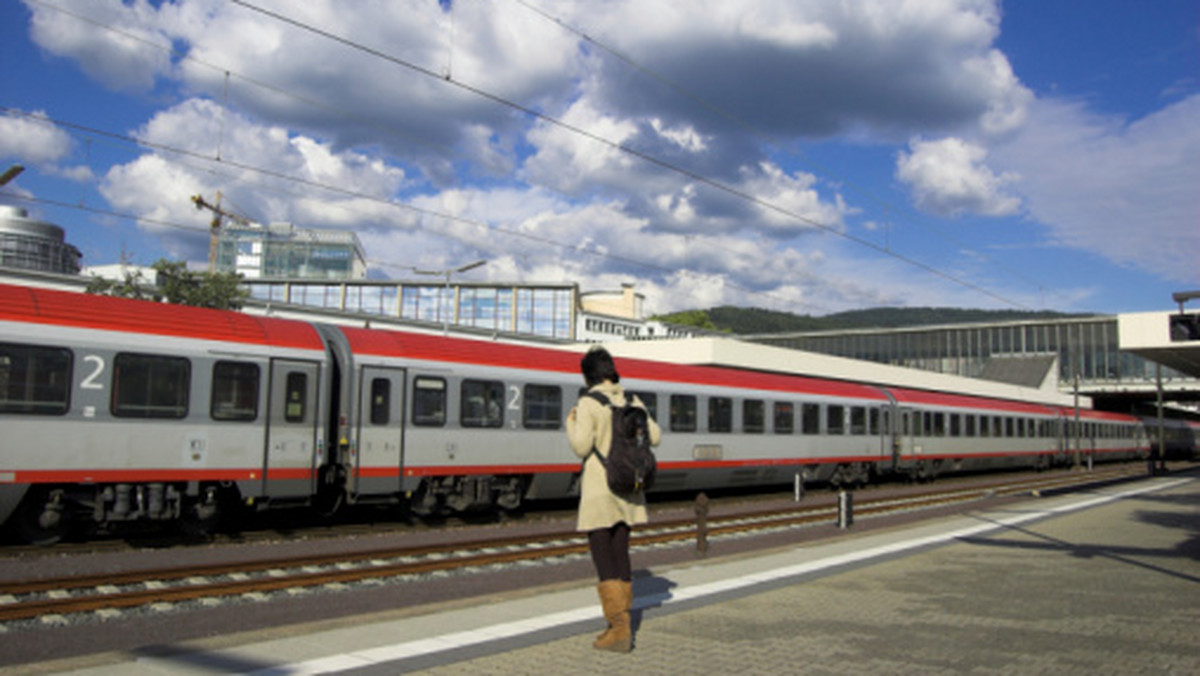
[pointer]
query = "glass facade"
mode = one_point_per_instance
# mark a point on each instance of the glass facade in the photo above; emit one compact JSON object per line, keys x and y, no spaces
{"x":545,"y":311}
{"x":281,"y":250}
{"x":1085,"y":346}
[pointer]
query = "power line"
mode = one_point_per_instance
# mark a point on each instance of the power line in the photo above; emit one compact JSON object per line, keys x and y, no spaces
{"x":764,"y":138}
{"x":446,"y":77}
{"x":160,"y":147}
{"x":646,"y":157}
{"x":227,"y":73}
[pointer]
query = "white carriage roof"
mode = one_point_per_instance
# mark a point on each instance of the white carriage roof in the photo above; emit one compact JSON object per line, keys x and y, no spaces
{"x":728,"y":352}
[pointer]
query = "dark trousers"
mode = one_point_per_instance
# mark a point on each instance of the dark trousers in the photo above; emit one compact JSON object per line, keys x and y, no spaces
{"x":610,"y":552}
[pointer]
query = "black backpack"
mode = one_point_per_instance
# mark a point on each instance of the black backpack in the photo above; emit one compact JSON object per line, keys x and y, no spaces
{"x":630,"y":464}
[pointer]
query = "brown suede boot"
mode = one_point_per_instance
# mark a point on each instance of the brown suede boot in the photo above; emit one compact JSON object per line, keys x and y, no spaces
{"x":619,"y":637}
{"x":626,"y":601}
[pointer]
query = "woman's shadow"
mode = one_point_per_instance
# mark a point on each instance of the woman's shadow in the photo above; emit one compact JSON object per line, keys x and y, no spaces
{"x":649,"y":591}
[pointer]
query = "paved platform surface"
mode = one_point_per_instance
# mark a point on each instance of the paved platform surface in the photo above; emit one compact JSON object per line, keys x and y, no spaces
{"x":1106,"y":582}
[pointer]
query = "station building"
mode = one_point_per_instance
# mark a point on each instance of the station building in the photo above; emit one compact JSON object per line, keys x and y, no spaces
{"x":1076,"y":353}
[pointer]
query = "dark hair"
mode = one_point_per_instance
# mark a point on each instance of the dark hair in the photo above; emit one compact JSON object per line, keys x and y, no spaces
{"x":597,"y":366}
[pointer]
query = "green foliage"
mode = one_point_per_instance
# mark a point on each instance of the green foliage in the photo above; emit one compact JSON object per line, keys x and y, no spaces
{"x":756,"y":320}
{"x":696,"y":318}
{"x":177,"y":284}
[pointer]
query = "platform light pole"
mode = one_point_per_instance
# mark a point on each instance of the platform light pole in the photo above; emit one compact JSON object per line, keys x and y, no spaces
{"x":447,"y":273}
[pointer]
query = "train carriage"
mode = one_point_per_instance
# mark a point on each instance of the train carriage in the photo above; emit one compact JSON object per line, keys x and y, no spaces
{"x":115,"y":410}
{"x":124,"y":410}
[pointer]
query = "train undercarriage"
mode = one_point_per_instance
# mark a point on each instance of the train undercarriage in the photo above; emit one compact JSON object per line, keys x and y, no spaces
{"x":446,"y":495}
{"x":50,"y":513}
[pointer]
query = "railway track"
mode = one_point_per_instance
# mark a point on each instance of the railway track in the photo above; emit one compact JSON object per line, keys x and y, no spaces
{"x":52,"y":598}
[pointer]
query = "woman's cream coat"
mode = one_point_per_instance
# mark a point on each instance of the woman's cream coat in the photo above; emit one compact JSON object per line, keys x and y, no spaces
{"x":590,"y":423}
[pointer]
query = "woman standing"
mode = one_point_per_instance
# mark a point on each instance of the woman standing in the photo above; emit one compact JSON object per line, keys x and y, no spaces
{"x":605,"y":516}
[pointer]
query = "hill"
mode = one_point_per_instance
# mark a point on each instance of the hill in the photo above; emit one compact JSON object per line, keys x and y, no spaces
{"x":743,"y":321}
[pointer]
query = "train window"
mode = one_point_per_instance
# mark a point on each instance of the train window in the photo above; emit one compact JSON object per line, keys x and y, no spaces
{"x":873,"y":415}
{"x":969,"y":426}
{"x":34,"y":379}
{"x":381,"y":401}
{"x":648,"y":399}
{"x":810,"y":418}
{"x":835,"y":420}
{"x":1009,"y":425}
{"x":150,"y":386}
{"x":785,"y":418}
{"x":754,"y":416}
{"x":919,"y":421}
{"x":683,"y":413}
{"x":939,"y":424}
{"x":482,"y":403}
{"x":234,"y":391}
{"x":429,"y":402}
{"x":295,"y":405}
{"x":955,"y":425}
{"x":928,"y":429}
{"x":543,"y":407}
{"x":858,"y":420}
{"x":720,"y":414}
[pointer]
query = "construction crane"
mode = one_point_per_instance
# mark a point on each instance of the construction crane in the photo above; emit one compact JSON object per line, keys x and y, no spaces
{"x":214,"y":228}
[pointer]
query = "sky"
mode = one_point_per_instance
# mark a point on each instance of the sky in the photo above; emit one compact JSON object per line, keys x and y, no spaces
{"x":805,"y":156}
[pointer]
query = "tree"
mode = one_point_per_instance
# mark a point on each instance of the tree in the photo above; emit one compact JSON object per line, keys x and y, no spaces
{"x":176,"y":284}
{"x":696,"y":318}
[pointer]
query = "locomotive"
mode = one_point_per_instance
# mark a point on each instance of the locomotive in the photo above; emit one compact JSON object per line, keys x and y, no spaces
{"x":115,"y":410}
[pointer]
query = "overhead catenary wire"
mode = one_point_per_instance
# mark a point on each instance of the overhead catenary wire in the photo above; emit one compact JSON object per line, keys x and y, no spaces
{"x":447,"y":77}
{"x":227,"y":73}
{"x":756,"y":133}
{"x":646,"y":157}
{"x":324,"y":186}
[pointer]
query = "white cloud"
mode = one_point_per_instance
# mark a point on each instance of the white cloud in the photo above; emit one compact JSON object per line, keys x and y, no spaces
{"x":1123,"y":190}
{"x":29,"y":139}
{"x":949,"y":178}
{"x":726,"y":93}
{"x":121,"y":59}
{"x":158,"y":187}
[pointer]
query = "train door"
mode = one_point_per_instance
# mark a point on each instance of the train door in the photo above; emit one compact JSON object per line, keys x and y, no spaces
{"x":380,"y":426}
{"x":292,"y":428}
{"x":884,"y":429}
{"x":905,"y":439}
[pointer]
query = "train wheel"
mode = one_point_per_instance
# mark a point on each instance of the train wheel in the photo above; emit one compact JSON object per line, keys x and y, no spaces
{"x":42,"y":518}
{"x":200,"y":519}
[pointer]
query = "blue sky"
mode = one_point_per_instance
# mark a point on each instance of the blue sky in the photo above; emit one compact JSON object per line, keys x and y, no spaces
{"x":799,"y":155}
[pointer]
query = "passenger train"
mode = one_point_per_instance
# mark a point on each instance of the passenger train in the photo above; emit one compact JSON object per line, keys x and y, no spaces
{"x":115,"y":410}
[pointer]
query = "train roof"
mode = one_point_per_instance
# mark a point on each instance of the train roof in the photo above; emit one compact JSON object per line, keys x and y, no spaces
{"x":414,"y":345}
{"x":106,"y":313}
{"x":738,"y":354}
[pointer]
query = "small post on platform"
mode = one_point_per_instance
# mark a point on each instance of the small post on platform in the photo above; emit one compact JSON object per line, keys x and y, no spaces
{"x":845,"y":509}
{"x":799,"y":487}
{"x":701,"y":524}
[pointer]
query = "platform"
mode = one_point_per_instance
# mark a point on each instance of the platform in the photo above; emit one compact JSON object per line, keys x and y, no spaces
{"x":1102,"y":582}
